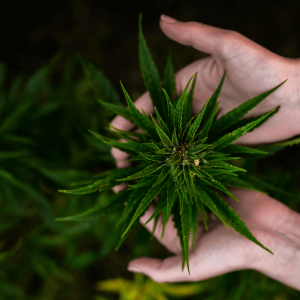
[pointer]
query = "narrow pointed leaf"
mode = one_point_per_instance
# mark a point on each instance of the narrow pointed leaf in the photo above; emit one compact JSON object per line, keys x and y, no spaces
{"x":211,"y":181}
{"x":177,"y":225}
{"x":99,"y":211}
{"x":233,"y":219}
{"x":119,"y":110}
{"x":131,"y":146}
{"x":213,"y":101}
{"x":232,"y":149}
{"x":132,"y":202}
{"x":150,"y":74}
{"x":139,"y":118}
{"x":206,"y":199}
{"x":196,"y":124}
{"x":146,"y":181}
{"x":179,"y":109}
{"x":186,"y":225}
{"x":161,"y":204}
{"x":169,"y":78}
{"x":146,"y":201}
{"x":205,"y":130}
{"x":187,"y":109}
{"x":158,"y":158}
{"x":143,"y":173}
{"x":231,"y":137}
{"x":171,"y":111}
{"x":237,"y":113}
{"x":163,"y":136}
{"x":162,"y":124}
{"x":174,"y":138}
{"x":200,"y":205}
{"x":194,"y":222}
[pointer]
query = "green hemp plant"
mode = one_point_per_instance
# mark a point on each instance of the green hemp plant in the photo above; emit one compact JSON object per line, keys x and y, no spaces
{"x":180,"y":158}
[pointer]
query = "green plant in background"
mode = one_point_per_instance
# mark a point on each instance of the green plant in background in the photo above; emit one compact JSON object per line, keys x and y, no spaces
{"x":143,"y":288}
{"x":182,"y":158}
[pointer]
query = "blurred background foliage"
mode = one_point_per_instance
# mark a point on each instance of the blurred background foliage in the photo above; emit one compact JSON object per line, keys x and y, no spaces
{"x":46,"y":106}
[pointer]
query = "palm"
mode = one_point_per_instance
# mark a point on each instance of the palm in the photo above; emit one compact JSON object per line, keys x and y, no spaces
{"x":250,"y":71}
{"x":221,"y":250}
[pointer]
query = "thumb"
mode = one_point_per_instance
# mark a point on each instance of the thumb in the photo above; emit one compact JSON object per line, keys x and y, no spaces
{"x":166,"y":270}
{"x":205,"y":38}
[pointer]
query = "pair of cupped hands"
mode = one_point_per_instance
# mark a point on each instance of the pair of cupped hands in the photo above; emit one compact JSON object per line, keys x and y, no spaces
{"x":250,"y":70}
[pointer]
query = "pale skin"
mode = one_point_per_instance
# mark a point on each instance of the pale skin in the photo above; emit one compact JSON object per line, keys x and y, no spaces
{"x":250,"y":70}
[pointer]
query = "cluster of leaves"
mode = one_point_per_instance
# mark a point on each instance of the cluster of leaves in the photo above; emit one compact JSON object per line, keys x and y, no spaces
{"x":181,"y":158}
{"x":33,"y":165}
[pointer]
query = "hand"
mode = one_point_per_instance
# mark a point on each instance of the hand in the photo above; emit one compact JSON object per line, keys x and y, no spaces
{"x":220,"y":250}
{"x":250,"y":70}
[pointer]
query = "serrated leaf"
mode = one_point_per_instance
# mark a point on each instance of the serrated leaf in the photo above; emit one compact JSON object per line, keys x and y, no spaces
{"x":198,"y":148}
{"x":175,"y":159}
{"x":143,"y":173}
{"x":233,"y":149}
{"x":169,"y":78}
{"x":200,"y":205}
{"x":189,"y":182}
{"x":119,"y":110}
{"x":193,"y":129}
{"x":161,"y":204}
{"x":179,"y":109}
{"x":246,"y":121}
{"x":139,"y":118}
{"x":149,"y":180}
{"x":186,"y":225}
{"x":206,"y":199}
{"x":142,"y":137}
{"x":213,"y":101}
{"x":270,"y":149}
{"x":170,"y":199}
{"x":211,"y":181}
{"x":146,"y":201}
{"x":108,"y":182}
{"x":174,"y":138}
{"x":177,"y":225}
{"x":163,"y":174}
{"x":100,"y":210}
{"x":162,"y":124}
{"x":237,"y":113}
{"x":205,"y":130}
{"x":101,"y":85}
{"x":158,"y":158}
{"x":187,"y":109}
{"x":131,"y":146}
{"x":132,"y":201}
{"x":171,"y":111}
{"x":231,"y":137}
{"x":233,"y":219}
{"x":150,"y":74}
{"x":194,"y":222}
{"x":162,"y":135}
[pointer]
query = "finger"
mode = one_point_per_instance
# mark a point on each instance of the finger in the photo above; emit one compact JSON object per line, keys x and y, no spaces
{"x":144,"y":102}
{"x":167,"y":270}
{"x":170,"y":240}
{"x":218,"y":42}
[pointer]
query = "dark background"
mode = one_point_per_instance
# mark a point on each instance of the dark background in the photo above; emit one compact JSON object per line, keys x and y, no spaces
{"x":105,"y":32}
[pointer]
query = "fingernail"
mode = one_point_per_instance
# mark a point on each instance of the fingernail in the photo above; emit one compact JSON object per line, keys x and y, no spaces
{"x":168,"y":19}
{"x":134,"y":269}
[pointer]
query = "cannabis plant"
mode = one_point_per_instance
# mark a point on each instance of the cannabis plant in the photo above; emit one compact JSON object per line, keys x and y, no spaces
{"x":182,"y":159}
